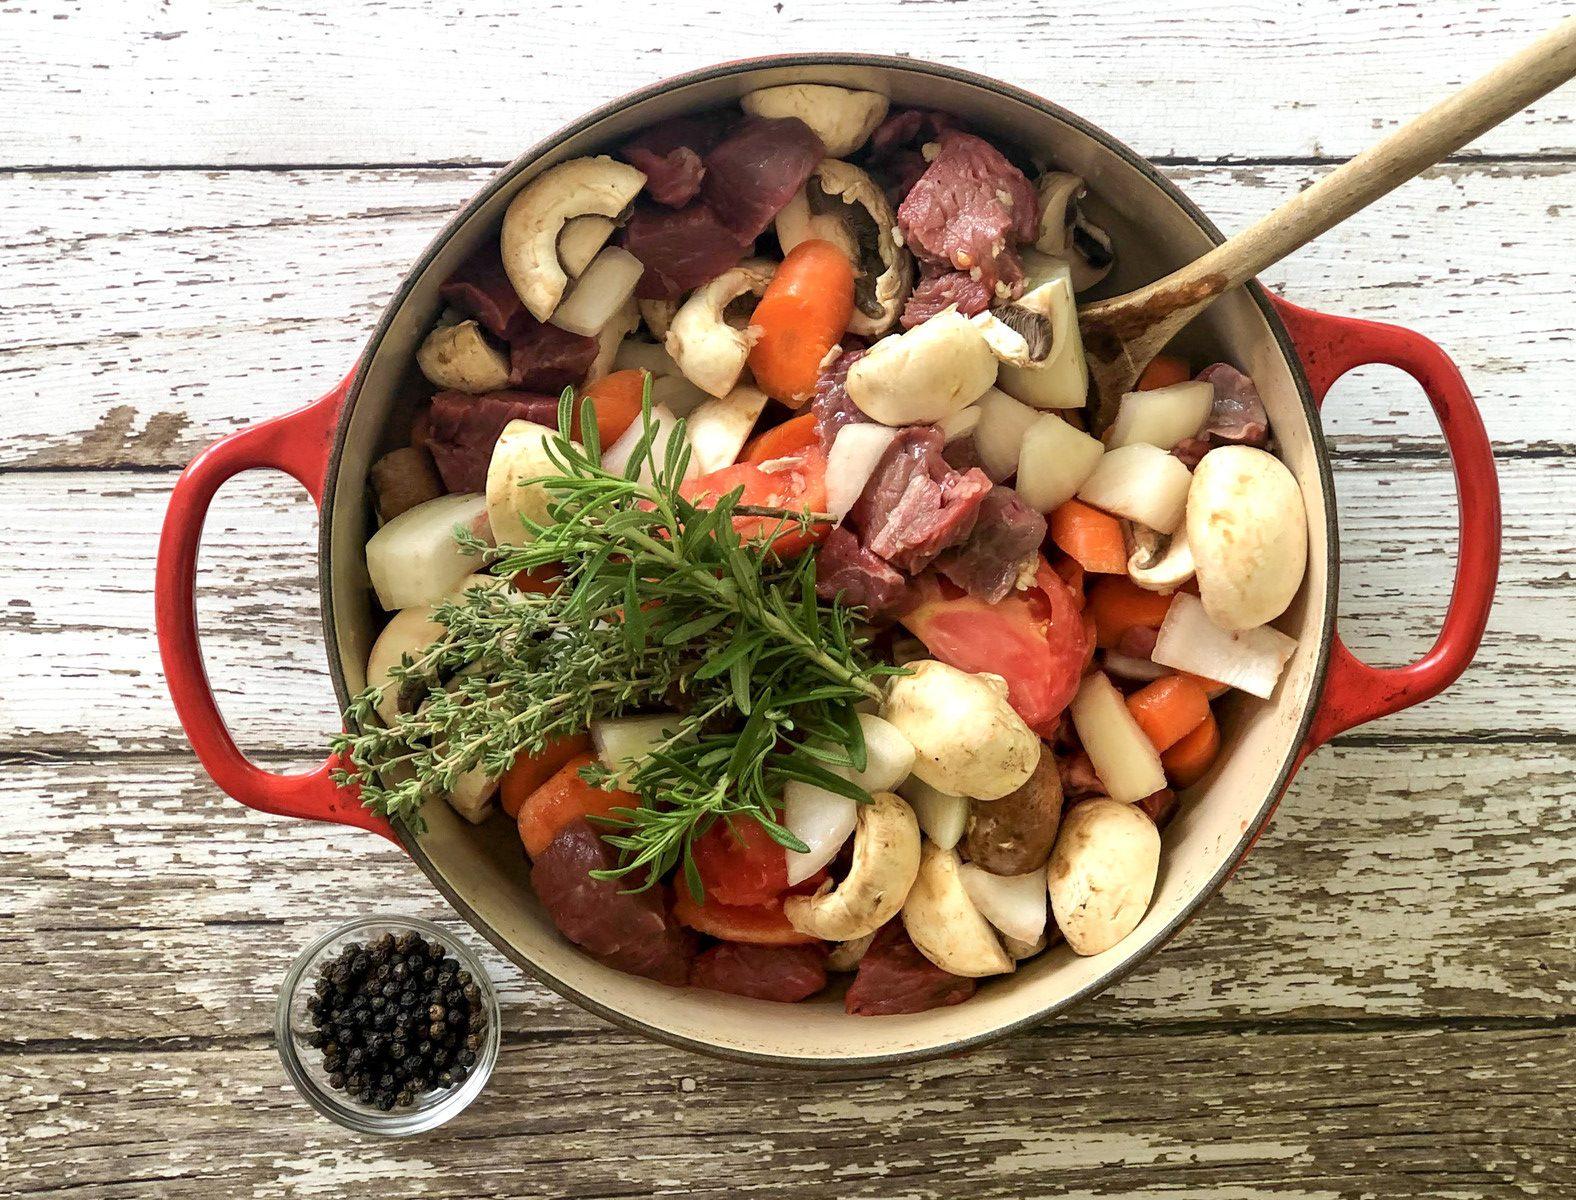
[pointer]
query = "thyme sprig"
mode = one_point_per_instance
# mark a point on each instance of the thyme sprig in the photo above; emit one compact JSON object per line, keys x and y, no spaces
{"x":661,"y":606}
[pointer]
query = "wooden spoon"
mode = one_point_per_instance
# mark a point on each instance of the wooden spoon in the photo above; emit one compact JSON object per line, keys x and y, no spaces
{"x":1123,"y":334}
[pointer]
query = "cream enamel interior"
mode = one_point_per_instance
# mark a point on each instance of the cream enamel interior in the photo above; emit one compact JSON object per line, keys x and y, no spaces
{"x":482,"y":870}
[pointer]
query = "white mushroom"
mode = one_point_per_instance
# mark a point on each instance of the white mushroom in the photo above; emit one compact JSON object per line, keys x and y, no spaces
{"x":1159,"y":563}
{"x":472,"y":795}
{"x":1067,"y":234}
{"x":886,"y":859}
{"x":1037,"y":339}
{"x":599,"y":186}
{"x":1102,"y":873}
{"x":409,"y":632}
{"x":1022,"y":950}
{"x":845,"y":956}
{"x":459,"y":357}
{"x":581,"y":241}
{"x":1249,"y":536}
{"x":968,"y":740}
{"x":925,"y":375}
{"x":944,"y":924}
{"x":709,"y":351}
{"x":519,"y":456}
{"x":843,"y":119}
{"x":610,"y":340}
{"x":843,"y":205}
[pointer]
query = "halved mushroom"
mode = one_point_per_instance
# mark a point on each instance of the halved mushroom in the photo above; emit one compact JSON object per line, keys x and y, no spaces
{"x":460,"y":358}
{"x":944,"y":924}
{"x":842,"y":118}
{"x":1158,"y":562}
{"x":1067,"y":234}
{"x":845,"y":956}
{"x":597,"y":186}
{"x":709,"y":351}
{"x":886,"y":860}
{"x":581,"y":241}
{"x":843,"y":205}
{"x":409,"y":632}
{"x":1036,"y":338}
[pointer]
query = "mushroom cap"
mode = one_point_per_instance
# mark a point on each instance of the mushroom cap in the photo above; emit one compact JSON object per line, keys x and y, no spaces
{"x":519,"y":454}
{"x":1158,"y":564}
{"x":1066,"y":233}
{"x":968,"y":740}
{"x":925,"y":375}
{"x":709,"y":351}
{"x":1102,"y":873}
{"x":886,"y":859}
{"x":1248,"y":533}
{"x":944,"y":924}
{"x":598,"y":186}
{"x":841,"y":117}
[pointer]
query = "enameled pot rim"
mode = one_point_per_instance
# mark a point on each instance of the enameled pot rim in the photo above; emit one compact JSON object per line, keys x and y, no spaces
{"x":1294,"y":747}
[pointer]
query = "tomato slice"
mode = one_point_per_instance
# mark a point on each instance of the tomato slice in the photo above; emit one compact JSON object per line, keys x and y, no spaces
{"x":796,"y":483}
{"x":739,"y":864}
{"x":756,"y":924}
{"x":1035,"y":639}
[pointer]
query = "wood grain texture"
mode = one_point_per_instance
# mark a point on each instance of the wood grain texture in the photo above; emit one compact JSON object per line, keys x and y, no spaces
{"x":154,"y":312}
{"x":1375,"y":897}
{"x":154,"y":83}
{"x":87,"y":675}
{"x":1448,"y":1114}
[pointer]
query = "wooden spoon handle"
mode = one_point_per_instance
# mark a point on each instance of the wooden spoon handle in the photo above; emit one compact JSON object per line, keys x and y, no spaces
{"x":1506,"y":90}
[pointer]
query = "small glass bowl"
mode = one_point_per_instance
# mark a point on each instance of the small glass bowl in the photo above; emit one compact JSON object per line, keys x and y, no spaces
{"x":304,"y":1064}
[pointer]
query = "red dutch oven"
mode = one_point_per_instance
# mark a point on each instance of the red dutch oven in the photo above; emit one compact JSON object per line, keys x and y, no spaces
{"x":1293,"y":354}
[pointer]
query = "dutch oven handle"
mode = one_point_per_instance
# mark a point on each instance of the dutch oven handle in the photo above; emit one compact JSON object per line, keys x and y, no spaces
{"x":298,"y":444}
{"x":1354,"y":692}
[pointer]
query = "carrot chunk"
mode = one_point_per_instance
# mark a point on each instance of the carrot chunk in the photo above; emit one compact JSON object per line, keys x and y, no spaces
{"x":1090,"y":537}
{"x":801,"y":316}
{"x":1188,"y":760}
{"x":562,"y":799}
{"x":1119,"y":604}
{"x":528,"y":774}
{"x":1163,"y":371}
{"x":1169,"y":709}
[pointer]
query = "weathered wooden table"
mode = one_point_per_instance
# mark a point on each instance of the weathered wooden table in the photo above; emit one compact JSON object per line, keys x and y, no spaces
{"x":204,"y":207}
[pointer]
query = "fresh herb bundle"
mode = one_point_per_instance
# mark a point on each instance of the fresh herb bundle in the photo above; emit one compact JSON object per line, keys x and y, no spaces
{"x":661,"y":606}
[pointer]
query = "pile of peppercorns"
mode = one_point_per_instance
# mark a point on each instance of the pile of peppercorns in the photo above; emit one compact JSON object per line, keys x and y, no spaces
{"x":394,"y":1018}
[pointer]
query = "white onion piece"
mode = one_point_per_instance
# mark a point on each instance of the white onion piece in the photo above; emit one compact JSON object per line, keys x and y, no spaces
{"x":822,"y":820}
{"x":623,"y":743}
{"x":581,"y":239}
{"x":856,"y":452}
{"x":1251,"y":659}
{"x":1162,"y":416}
{"x":677,"y":394}
{"x":1140,"y":670}
{"x":1142,"y":483}
{"x":645,"y":356}
{"x":602,"y":289}
{"x":1014,"y":904}
{"x":999,"y":434}
{"x":719,"y":427}
{"x":942,"y":816}
{"x":1054,"y":461}
{"x":889,"y":756}
{"x":413,"y":559}
{"x":663,"y":423}
{"x":1122,"y":755}
{"x":959,"y":424}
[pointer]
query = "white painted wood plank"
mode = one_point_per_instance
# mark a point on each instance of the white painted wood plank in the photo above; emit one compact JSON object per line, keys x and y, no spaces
{"x":138,"y":82}
{"x":1446,"y":1115}
{"x":1391,"y":886}
{"x":76,"y":571}
{"x":148,"y":314}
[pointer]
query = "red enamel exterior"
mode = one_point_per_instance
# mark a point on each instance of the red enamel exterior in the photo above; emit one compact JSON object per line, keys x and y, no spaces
{"x":298,"y":444}
{"x":1355,"y":693}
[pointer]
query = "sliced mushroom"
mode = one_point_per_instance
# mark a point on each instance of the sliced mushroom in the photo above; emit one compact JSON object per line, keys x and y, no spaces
{"x":886,"y":860}
{"x":842,"y":118}
{"x":1158,"y":562}
{"x":408,"y":633}
{"x":709,"y":351}
{"x":1036,"y":338}
{"x":598,"y":186}
{"x":1022,"y":950}
{"x":1067,"y":234}
{"x":581,"y":241}
{"x":610,"y":338}
{"x":845,"y":956}
{"x":925,"y":375}
{"x":658,"y":316}
{"x":944,"y":924}
{"x":460,"y":358}
{"x":843,"y":205}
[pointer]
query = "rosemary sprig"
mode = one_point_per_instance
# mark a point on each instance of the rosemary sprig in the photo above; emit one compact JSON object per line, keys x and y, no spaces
{"x":661,"y":606}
